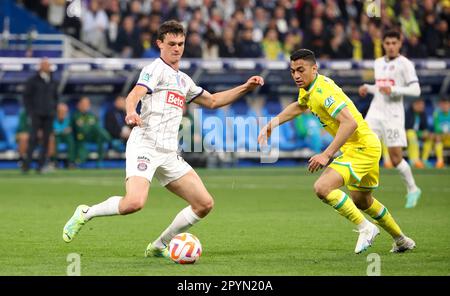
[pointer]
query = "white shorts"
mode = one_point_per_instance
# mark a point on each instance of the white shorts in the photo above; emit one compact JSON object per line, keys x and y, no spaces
{"x":147,"y":161}
{"x":391,"y":131}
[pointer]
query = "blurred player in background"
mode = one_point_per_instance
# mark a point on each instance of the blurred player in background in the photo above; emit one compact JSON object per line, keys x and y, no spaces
{"x":64,"y":134}
{"x":114,"y":123}
{"x":87,"y":128}
{"x":357,"y":167}
{"x":23,"y":136}
{"x":418,"y":130}
{"x":40,"y":98}
{"x":442,"y":130}
{"x":151,"y":149}
{"x":395,"y":77}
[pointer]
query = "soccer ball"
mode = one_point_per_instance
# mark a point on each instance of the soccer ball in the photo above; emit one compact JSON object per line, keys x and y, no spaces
{"x":185,"y":248}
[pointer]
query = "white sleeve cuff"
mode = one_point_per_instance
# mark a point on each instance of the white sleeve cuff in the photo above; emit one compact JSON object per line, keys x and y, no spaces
{"x":412,"y":90}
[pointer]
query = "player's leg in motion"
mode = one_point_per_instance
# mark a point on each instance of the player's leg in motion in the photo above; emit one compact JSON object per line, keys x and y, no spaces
{"x":404,"y":169}
{"x":413,"y":148}
{"x":134,"y":200}
{"x":189,"y":187}
{"x":427,"y":147}
{"x":326,"y":188}
{"x":439,"y":151}
{"x":387,"y":163}
{"x":365,"y":201}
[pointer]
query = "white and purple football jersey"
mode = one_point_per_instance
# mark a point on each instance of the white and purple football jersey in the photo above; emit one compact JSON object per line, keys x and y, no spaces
{"x":162,"y":107}
{"x":396,"y":72}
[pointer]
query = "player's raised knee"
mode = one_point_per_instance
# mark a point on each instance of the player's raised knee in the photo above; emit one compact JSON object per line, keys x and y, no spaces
{"x":320,"y":189}
{"x":207,"y":206}
{"x":203,"y":208}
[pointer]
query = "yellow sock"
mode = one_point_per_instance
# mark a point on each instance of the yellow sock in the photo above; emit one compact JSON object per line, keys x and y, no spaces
{"x":439,"y":150}
{"x":413,"y":145}
{"x":344,"y":206}
{"x":385,"y":153}
{"x":378,"y":212}
{"x":427,"y":149}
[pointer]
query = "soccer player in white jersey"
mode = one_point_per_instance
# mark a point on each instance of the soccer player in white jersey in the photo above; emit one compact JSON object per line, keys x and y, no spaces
{"x":151,"y":149}
{"x":395,"y":77}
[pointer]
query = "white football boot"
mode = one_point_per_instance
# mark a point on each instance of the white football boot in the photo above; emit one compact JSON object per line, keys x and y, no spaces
{"x":366,"y":237}
{"x":402,"y":245}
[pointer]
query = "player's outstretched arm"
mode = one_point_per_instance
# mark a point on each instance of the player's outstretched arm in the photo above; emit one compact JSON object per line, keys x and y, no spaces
{"x":412,"y":90}
{"x":223,"y":98}
{"x":347,"y":126}
{"x":132,"y":100}
{"x":289,"y":113}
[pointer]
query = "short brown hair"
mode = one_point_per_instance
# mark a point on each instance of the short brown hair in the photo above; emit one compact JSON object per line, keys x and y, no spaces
{"x":170,"y":27}
{"x":392,"y":34}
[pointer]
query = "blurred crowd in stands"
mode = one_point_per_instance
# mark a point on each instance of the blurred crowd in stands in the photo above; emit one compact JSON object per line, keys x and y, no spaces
{"x":70,"y":130}
{"x":271,"y":29}
{"x":74,"y":129}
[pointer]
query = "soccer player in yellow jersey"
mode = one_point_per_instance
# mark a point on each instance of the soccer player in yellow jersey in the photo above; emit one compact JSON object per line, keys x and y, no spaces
{"x":358,"y":165}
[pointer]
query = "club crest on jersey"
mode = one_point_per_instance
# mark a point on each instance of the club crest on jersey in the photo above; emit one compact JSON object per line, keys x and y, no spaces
{"x":142,"y":166}
{"x":328,"y":102}
{"x":175,"y":99}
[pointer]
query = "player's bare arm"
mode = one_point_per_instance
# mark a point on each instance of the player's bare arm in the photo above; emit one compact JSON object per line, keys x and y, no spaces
{"x":289,"y":113}
{"x":347,"y":126}
{"x":132,"y":100}
{"x":223,"y":98}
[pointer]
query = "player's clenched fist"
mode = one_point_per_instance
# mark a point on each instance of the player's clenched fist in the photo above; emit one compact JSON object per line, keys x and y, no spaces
{"x":363,"y":90}
{"x":253,"y":82}
{"x":133,"y":119}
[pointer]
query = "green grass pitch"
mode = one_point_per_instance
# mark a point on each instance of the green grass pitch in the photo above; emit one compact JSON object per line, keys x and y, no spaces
{"x":266,"y":221}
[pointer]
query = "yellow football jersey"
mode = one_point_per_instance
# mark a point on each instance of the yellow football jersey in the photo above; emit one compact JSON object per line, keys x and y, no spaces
{"x":325,"y":100}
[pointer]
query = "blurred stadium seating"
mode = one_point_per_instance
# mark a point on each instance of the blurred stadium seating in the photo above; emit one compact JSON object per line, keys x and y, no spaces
{"x":103,"y":79}
{"x":90,"y":43}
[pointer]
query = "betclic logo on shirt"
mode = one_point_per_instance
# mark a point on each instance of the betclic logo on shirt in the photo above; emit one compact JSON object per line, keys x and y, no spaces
{"x":384,"y":82}
{"x":175,"y":99}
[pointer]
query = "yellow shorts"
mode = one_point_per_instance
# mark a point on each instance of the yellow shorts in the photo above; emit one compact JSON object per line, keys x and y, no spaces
{"x":446,"y":140}
{"x":359,"y":167}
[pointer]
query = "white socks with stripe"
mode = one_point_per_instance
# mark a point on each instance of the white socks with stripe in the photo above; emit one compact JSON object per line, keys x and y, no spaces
{"x":109,"y":207}
{"x":407,"y":176}
{"x":182,"y":222}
